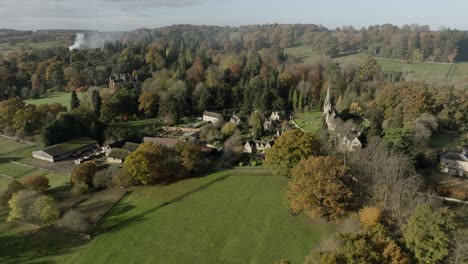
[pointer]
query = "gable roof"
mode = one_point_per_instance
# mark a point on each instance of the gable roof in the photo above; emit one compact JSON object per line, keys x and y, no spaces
{"x":69,"y":146}
{"x":130,"y":146}
{"x":211,"y":114}
{"x":117,"y":153}
{"x":165,"y":142}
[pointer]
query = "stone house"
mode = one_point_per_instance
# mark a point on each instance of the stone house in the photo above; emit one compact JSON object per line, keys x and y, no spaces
{"x":211,"y":117}
{"x":455,"y":163}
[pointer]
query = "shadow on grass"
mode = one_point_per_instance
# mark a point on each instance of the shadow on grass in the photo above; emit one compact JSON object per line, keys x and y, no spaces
{"x":30,"y":247}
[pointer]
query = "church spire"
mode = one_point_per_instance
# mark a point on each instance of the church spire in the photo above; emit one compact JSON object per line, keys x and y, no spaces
{"x":327,"y":107}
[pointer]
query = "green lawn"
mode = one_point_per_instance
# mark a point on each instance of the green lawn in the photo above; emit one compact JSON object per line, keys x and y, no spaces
{"x":311,"y":121}
{"x":9,"y":145}
{"x":138,"y":126}
{"x":7,"y":48}
{"x":235,"y":220}
{"x":59,"y":97}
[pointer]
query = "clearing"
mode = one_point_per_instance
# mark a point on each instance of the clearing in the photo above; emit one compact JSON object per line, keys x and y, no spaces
{"x":62,"y":98}
{"x":309,"y":121}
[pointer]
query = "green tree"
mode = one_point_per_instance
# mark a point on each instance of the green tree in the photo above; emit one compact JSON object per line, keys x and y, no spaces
{"x":428,"y":233}
{"x":189,"y":156}
{"x":320,"y":183}
{"x":75,"y":102}
{"x":97,"y":102}
{"x":289,"y":149}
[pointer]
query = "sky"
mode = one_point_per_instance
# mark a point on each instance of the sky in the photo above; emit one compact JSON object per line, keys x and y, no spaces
{"x":116,"y":15}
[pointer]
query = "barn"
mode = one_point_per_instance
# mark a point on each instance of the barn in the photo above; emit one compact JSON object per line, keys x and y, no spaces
{"x":65,"y":150}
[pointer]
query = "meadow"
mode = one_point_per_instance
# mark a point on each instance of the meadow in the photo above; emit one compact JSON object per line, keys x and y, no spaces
{"x":7,"y":48}
{"x":454,"y":74}
{"x":62,"y":98}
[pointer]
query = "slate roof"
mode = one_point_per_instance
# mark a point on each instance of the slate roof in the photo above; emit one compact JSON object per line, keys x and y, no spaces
{"x":117,"y":153}
{"x":69,"y":146}
{"x":130,"y":146}
{"x":211,"y":114}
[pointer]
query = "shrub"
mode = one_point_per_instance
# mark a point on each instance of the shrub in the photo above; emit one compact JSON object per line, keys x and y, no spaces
{"x":80,"y":188}
{"x":241,"y":164}
{"x":253,"y":163}
{"x":37,"y":183}
{"x":13,"y":187}
{"x":74,"y":221}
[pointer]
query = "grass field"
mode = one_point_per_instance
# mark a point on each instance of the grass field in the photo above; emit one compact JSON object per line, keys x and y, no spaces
{"x":7,"y":48}
{"x":454,"y":74}
{"x":140,"y":125}
{"x":230,"y":221}
{"x":310,"y":122}
{"x":59,"y":97}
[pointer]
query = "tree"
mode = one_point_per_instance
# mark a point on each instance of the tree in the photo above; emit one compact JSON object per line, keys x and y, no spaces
{"x":37,"y":183}
{"x":74,"y":221}
{"x":97,"y":102}
{"x":189,"y":156}
{"x":75,"y":102}
{"x":228,"y":129}
{"x":31,"y":207}
{"x":289,"y":149}
{"x":123,"y":178}
{"x":320,"y":183}
{"x":83,"y":173}
{"x":150,"y":163}
{"x":149,"y":103}
{"x":428,"y":233}
{"x":13,"y":187}
{"x":370,"y":216}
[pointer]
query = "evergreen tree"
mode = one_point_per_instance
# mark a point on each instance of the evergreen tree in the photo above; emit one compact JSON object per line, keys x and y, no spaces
{"x":97,"y":102}
{"x":75,"y":102}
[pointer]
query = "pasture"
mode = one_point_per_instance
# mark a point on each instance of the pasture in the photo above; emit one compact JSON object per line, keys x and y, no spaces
{"x":453,"y":74}
{"x":7,"y":48}
{"x":140,"y":126}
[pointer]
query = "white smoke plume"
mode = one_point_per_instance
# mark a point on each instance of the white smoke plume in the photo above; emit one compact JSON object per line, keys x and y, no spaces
{"x":79,"y":40}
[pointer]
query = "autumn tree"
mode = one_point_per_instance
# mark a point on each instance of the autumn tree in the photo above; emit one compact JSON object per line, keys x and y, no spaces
{"x":189,"y":156}
{"x":37,"y":183}
{"x":428,"y":233}
{"x":289,"y":149}
{"x":12,"y":188}
{"x":83,"y":173}
{"x":149,"y":103}
{"x":322,"y":184}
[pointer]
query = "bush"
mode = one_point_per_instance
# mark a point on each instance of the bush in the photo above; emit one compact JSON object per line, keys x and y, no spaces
{"x":80,"y":188}
{"x":253,"y":163}
{"x":241,"y":164}
{"x":103,"y":178}
{"x":73,"y":221}
{"x":13,"y":187}
{"x":37,"y":183}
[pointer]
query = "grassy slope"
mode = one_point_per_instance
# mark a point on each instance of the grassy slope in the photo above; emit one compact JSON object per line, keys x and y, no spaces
{"x":59,"y":97}
{"x":456,"y":74}
{"x":311,"y":121}
{"x":235,"y":220}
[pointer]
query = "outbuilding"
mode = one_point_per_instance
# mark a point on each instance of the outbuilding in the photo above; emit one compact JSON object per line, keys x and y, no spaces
{"x":66,"y":150}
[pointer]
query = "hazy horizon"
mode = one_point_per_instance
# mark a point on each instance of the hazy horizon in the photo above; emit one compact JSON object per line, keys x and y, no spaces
{"x":123,"y":15}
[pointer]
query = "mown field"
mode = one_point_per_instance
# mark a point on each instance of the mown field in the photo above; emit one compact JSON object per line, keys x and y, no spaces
{"x":230,"y":221}
{"x":62,"y":98}
{"x":16,"y":163}
{"x":236,"y":216}
{"x":138,"y":126}
{"x":454,"y":74}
